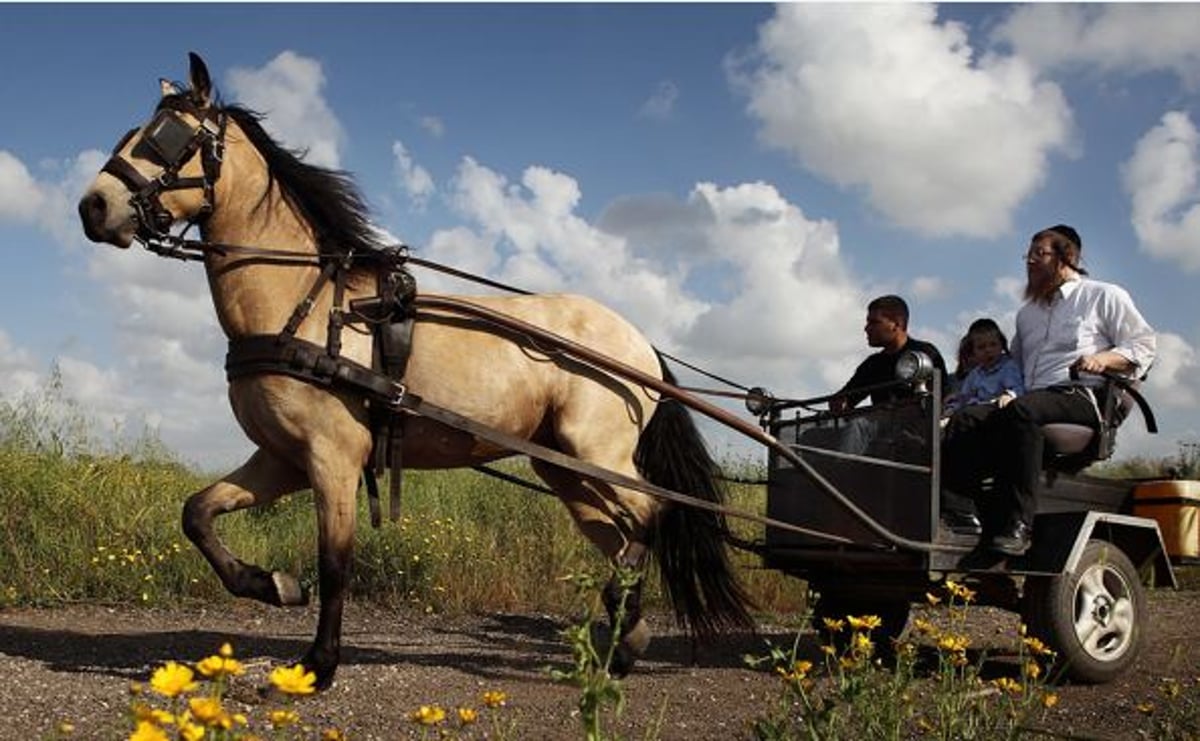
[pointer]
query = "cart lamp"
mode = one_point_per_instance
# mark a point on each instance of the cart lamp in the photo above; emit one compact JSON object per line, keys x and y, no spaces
{"x":915,"y":368}
{"x":759,"y":401}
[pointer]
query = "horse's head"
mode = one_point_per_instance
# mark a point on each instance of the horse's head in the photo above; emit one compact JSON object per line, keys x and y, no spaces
{"x":162,"y":172}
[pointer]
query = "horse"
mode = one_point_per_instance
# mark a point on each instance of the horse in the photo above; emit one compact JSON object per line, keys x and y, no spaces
{"x":271,"y":226}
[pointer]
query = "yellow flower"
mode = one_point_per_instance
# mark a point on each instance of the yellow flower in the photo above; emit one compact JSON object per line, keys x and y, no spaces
{"x":1036,"y":647}
{"x":953,"y":643}
{"x":428,"y":715}
{"x":172,"y":680}
{"x":226,"y":650}
{"x":142,"y":711}
{"x":1032,"y":670}
{"x":332,"y":734}
{"x":494,"y":698}
{"x":834,"y":626}
{"x":1008,"y":684}
{"x":467,"y":716}
{"x":147,"y":731}
{"x":1049,"y":700}
{"x":1146,"y":708}
{"x":281,"y":718}
{"x":191,"y":732}
{"x":866,"y":622}
{"x":921,"y":626}
{"x":294,"y":680}
{"x":215,"y":667}
{"x":208,"y":711}
{"x":66,"y":728}
{"x":861,"y":644}
{"x":828,"y":650}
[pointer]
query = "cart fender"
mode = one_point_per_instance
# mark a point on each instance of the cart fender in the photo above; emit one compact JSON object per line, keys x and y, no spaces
{"x":1059,"y":540}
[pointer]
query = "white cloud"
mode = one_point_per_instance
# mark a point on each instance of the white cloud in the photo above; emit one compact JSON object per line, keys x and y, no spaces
{"x":927,"y":287}
{"x":434,"y":125}
{"x":1161,"y":178}
{"x":1121,"y":38}
{"x":289,"y":90}
{"x":20,"y":195}
{"x":18,"y":368}
{"x":887,"y":99}
{"x":416,"y":180}
{"x":661,"y":103}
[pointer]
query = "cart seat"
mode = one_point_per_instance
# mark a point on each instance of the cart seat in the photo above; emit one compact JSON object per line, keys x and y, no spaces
{"x":1071,"y":448}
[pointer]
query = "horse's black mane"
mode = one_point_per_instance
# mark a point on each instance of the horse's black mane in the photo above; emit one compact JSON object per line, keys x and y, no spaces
{"x":327,"y":199}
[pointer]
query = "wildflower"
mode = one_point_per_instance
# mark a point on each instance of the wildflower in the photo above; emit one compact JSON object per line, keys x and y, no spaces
{"x":147,"y":731}
{"x":428,"y":715}
{"x":799,"y":671}
{"x":283,"y":717}
{"x":834,"y":626}
{"x":208,"y":711}
{"x":1008,"y":684}
{"x":862,"y":644}
{"x":217,"y":667}
{"x":66,"y":728}
{"x":1170,"y":688}
{"x":866,"y":622}
{"x":921,"y":626}
{"x":143,"y":712}
{"x":189,"y":731}
{"x":467,"y":716}
{"x":172,"y":680}
{"x":1036,"y":647}
{"x":294,"y":680}
{"x":1146,"y":708}
{"x":933,"y":599}
{"x":494,"y":698}
{"x":332,"y":734}
{"x":954,"y":643}
{"x":1032,"y":670}
{"x":1049,"y":700}
{"x":828,"y":650}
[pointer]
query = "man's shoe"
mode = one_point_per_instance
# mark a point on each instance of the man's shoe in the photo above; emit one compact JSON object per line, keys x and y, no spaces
{"x":961,"y":523}
{"x":1014,"y":540}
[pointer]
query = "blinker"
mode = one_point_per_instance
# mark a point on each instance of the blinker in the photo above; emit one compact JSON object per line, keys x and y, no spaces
{"x":169,"y":137}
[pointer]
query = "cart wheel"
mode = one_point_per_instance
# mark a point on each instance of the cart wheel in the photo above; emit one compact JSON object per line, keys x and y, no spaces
{"x":1091,"y":617}
{"x":892,"y":612}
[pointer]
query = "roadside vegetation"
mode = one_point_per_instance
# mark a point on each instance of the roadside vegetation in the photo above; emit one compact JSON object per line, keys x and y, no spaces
{"x":99,"y":523}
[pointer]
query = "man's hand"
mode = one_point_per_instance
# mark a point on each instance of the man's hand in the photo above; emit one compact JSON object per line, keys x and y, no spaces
{"x":1102,"y":361}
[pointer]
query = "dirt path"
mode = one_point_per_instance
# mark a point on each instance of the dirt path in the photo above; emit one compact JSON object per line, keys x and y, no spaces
{"x":76,"y":664}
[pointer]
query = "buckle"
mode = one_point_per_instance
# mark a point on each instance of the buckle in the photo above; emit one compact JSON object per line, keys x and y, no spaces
{"x":396,"y":400}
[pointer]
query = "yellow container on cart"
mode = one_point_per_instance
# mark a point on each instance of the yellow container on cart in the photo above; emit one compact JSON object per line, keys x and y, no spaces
{"x":1175,"y":505}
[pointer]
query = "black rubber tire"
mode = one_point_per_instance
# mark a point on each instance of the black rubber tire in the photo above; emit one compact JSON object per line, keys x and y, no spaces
{"x":1091,"y":617}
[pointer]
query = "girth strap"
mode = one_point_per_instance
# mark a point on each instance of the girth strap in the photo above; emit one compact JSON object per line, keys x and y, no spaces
{"x":308,"y":362}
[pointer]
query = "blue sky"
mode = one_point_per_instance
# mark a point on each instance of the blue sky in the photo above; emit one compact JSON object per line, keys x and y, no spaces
{"x":737,"y":179}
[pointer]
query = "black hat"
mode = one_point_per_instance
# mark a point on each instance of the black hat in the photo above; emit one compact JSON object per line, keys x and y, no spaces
{"x":1068,"y":233}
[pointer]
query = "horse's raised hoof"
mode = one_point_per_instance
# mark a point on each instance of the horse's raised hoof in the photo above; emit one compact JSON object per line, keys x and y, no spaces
{"x":288,"y":590}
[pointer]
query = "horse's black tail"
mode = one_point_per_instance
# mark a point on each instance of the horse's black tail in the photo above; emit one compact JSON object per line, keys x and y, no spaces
{"x":689,"y":542}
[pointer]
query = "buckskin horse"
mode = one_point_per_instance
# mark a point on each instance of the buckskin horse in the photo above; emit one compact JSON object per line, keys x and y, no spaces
{"x":291,"y":258}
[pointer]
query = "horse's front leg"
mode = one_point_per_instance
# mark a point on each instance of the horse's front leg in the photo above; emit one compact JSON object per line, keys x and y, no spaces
{"x":261,"y":480}
{"x":335,"y":486}
{"x":622,"y":598}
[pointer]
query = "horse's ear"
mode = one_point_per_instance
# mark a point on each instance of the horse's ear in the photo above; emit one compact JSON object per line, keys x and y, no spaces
{"x":201,"y":82}
{"x":168,"y":87}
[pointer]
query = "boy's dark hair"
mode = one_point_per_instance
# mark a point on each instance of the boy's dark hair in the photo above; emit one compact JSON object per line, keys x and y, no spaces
{"x":980,"y":326}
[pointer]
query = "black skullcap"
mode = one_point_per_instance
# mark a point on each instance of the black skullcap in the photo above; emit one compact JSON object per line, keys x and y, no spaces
{"x":1068,"y":233}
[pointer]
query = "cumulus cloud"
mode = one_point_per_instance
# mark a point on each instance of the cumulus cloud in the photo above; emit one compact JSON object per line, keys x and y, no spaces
{"x":289,"y":90}
{"x":414,"y":179}
{"x":661,"y":103}
{"x":886,"y":99}
{"x":1161,"y":180}
{"x":1112,"y":38}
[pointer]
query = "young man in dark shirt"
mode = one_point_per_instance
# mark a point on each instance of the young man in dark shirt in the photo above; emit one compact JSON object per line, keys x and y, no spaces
{"x":887,"y":329}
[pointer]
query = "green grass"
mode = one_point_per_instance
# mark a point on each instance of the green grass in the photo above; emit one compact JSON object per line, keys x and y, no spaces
{"x":86,"y":522}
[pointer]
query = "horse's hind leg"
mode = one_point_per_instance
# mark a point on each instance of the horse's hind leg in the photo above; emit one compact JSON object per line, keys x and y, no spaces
{"x":621,"y":534}
{"x":260,"y":480}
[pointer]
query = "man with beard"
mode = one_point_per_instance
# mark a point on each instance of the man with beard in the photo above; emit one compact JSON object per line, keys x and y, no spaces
{"x":1069,"y":326}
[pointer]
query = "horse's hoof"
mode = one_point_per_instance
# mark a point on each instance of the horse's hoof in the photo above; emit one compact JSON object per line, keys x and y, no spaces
{"x":637,"y":639}
{"x":289,"y":590}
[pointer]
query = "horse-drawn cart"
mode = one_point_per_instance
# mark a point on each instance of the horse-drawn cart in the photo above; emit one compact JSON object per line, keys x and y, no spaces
{"x":334,"y":357}
{"x":1079,"y":588}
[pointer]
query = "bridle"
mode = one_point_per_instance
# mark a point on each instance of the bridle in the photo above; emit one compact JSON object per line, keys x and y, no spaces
{"x":170,"y":141}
